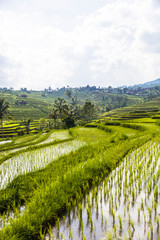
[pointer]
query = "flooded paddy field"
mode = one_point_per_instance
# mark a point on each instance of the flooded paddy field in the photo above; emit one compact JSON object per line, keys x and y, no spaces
{"x":126,"y":205}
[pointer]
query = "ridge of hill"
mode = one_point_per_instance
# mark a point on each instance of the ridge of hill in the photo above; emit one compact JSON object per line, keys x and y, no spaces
{"x":149,"y":84}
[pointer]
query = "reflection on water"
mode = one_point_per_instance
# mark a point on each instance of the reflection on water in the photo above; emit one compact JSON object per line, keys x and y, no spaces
{"x":125,"y":204}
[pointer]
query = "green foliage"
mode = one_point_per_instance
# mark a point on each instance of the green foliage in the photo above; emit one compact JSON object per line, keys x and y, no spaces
{"x":4,"y":106}
{"x":88,"y":111}
{"x":69,"y":122}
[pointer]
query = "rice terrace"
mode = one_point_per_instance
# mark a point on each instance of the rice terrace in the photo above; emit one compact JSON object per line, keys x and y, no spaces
{"x":80,"y":164}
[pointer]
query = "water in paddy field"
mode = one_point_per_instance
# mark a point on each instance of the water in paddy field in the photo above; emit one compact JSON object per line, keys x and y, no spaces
{"x":125,"y":205}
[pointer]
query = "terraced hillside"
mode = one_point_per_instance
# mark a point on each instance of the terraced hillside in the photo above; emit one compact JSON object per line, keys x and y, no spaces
{"x":38,"y":104}
{"x":14,"y":128}
{"x":47,"y":182}
{"x":24,"y":106}
{"x":150,"y":109}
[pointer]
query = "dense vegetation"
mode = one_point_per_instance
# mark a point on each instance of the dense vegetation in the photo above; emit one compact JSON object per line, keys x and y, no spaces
{"x":48,"y":174}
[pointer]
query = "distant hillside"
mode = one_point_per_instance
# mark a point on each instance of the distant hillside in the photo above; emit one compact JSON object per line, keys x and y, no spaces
{"x":149,"y":109}
{"x":37,"y":104}
{"x":148,"y":84}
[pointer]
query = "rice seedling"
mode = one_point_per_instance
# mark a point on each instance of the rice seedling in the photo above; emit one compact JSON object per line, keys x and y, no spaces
{"x":70,"y":233}
{"x":115,"y":230}
{"x":120,"y":222}
{"x":157,"y":221}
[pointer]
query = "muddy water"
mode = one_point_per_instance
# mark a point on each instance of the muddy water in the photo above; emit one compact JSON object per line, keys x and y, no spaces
{"x":123,"y":205}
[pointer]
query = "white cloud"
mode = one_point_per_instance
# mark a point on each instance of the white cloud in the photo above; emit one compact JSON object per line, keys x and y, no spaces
{"x":58,"y":44}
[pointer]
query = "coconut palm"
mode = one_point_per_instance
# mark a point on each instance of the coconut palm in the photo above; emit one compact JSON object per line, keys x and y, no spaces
{"x":4,"y":106}
{"x":27,"y":125}
{"x":68,"y":93}
{"x":61,"y":107}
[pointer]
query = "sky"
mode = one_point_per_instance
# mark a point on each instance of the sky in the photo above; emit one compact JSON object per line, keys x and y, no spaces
{"x":60,"y":43}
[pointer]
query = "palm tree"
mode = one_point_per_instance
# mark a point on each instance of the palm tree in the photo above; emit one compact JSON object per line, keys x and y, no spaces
{"x":60,"y":107}
{"x":27,"y":125}
{"x":4,"y":106}
{"x":68,"y":93}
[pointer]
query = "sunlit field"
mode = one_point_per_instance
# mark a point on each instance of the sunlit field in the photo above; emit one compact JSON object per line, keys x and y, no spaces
{"x":98,"y":182}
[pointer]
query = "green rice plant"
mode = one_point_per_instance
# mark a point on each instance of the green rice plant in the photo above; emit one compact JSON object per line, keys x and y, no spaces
{"x":84,"y":237}
{"x":151,"y":228}
{"x":70,"y":233}
{"x":80,"y":210}
{"x":156,"y":194}
{"x":68,"y":207}
{"x":49,"y":231}
{"x":149,"y":212}
{"x":142,"y":204}
{"x":113,"y":216}
{"x":91,"y":221}
{"x":148,"y":235}
{"x":88,"y":213}
{"x":124,"y":211}
{"x":144,"y":218}
{"x":102,"y":216}
{"x":139,"y":214}
{"x":61,"y":236}
{"x":58,"y":223}
{"x":105,"y":222}
{"x":97,"y":206}
{"x":129,"y":233}
{"x":157,"y":221}
{"x":131,"y":224}
{"x":155,"y":206}
{"x":81,"y":225}
{"x":133,"y":195}
{"x":120,"y":222}
{"x":115,"y":230}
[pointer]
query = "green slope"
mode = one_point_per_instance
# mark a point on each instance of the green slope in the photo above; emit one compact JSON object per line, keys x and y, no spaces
{"x":150,"y":109}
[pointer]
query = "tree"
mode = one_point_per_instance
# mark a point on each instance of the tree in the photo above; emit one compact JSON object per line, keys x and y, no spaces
{"x":69,"y":122}
{"x":27,"y":125}
{"x":60,"y":107}
{"x":68,"y":93}
{"x":54,"y":116}
{"x":4,"y":106}
{"x":88,"y":111}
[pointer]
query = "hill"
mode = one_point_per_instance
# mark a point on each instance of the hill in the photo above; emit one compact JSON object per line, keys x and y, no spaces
{"x":149,"y":109}
{"x":38,"y":104}
{"x":149,"y":84}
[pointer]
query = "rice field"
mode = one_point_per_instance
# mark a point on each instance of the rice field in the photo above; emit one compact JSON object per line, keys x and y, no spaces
{"x":72,"y":182}
{"x":23,"y":143}
{"x":126,"y":205}
{"x":34,"y":160}
{"x":56,"y":136}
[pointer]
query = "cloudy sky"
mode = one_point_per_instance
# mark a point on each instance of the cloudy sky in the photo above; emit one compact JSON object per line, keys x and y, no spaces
{"x":66,"y":42}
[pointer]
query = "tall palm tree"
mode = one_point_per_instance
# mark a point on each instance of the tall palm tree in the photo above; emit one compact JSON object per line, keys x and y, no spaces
{"x":61,"y":107}
{"x":4,"y":106}
{"x":27,"y":125}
